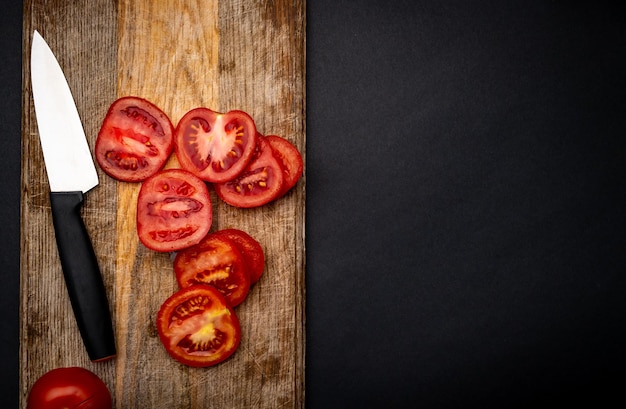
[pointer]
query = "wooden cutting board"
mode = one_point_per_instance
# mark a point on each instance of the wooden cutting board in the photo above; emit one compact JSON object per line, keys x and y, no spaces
{"x":225,"y":55}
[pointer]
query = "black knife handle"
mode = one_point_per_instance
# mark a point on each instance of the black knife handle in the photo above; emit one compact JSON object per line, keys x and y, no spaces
{"x":82,"y":276}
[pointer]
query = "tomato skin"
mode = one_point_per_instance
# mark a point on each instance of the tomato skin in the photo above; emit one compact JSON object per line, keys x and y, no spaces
{"x":215,"y":261}
{"x":258,"y":184}
{"x":215,"y":146}
{"x":72,"y":387}
{"x":291,"y":159}
{"x":173,"y":210}
{"x":249,"y":248}
{"x":197,"y":327}
{"x":135,"y":140}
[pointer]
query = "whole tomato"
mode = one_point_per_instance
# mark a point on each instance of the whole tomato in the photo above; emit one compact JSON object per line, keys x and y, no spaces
{"x":71,"y":388}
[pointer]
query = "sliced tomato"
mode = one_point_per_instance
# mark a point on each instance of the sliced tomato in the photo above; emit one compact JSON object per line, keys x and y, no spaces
{"x":289,"y":157}
{"x":215,"y":146}
{"x":72,"y":387}
{"x":135,"y":140}
{"x":173,"y":210}
{"x":197,"y":327}
{"x":250,"y":249}
{"x":259,"y":183}
{"x":216,"y":260}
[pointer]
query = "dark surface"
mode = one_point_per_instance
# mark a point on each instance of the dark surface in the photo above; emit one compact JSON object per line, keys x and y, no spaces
{"x":465,"y":203}
{"x":10,"y":135}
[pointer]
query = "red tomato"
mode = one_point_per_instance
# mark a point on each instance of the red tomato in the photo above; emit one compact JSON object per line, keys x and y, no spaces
{"x":289,"y":157}
{"x":197,"y":326}
{"x":69,"y":388}
{"x":259,"y":183}
{"x":173,"y":210}
{"x":249,"y":248}
{"x":215,"y":147}
{"x":215,"y":261}
{"x":135,"y":140}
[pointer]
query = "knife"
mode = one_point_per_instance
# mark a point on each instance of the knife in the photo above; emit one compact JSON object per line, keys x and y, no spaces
{"x":71,"y":173}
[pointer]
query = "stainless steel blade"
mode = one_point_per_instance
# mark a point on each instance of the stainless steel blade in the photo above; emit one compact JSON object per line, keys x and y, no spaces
{"x":68,"y":160}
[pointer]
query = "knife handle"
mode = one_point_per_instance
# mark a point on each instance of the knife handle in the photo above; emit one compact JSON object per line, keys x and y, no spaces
{"x":82,"y":276}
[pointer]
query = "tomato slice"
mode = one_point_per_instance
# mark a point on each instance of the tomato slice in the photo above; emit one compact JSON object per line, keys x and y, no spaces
{"x":72,"y":387}
{"x":250,"y":249}
{"x":289,"y":157}
{"x":197,"y":327}
{"x":215,"y":146}
{"x":173,"y":210}
{"x":259,"y":183}
{"x":216,"y":260}
{"x":135,"y":140}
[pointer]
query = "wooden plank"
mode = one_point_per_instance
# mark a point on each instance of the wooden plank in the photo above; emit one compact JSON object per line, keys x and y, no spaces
{"x":84,"y":41}
{"x":179,"y":54}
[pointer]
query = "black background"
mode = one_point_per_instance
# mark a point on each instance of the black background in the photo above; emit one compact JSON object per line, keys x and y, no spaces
{"x":465,"y":203}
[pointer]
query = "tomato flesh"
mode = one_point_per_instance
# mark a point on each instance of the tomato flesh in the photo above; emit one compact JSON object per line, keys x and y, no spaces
{"x":173,"y":211}
{"x":135,"y":140}
{"x":289,"y":157}
{"x":217,"y":261}
{"x":215,"y":146}
{"x":250,"y":249}
{"x":72,"y":387}
{"x":258,"y":184}
{"x":197,"y":327}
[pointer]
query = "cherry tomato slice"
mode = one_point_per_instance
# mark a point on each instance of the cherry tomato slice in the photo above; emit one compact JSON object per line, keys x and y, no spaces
{"x":289,"y":157}
{"x":215,"y":146}
{"x":135,"y":140}
{"x":259,"y":183}
{"x":250,"y":249}
{"x":197,"y":327}
{"x":72,"y":387}
{"x":217,"y":261}
{"x":173,"y":210}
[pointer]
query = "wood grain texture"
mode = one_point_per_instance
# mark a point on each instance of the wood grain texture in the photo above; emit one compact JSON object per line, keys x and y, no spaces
{"x":224,"y":55}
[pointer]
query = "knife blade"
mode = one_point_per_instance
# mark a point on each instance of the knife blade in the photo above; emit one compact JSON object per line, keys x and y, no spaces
{"x":71,"y":173}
